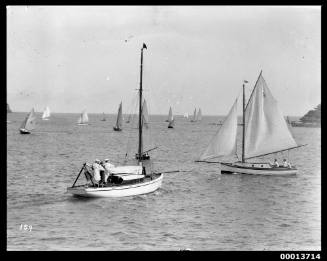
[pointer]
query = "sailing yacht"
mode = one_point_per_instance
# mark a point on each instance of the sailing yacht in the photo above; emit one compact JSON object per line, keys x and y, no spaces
{"x":199,"y":115}
{"x":171,"y":119}
{"x":169,"y":114}
{"x":265,"y":132}
{"x":119,"y":121}
{"x":125,"y":180}
{"x":193,"y":119}
{"x":29,"y":123}
{"x":83,"y":119}
{"x":145,"y":123}
{"x":103,"y":117}
{"x":46,"y":114}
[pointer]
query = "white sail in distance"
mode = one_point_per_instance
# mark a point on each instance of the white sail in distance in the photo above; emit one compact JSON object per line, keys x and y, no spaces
{"x":223,"y":143}
{"x":30,"y":121}
{"x":83,"y":118}
{"x":46,"y":113}
{"x":266,"y":130}
{"x":145,"y":115}
{"x":199,"y":115}
{"x":170,"y":115}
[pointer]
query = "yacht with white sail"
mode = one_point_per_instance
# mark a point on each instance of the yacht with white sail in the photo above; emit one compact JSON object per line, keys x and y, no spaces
{"x":264,"y":132}
{"x":29,"y":123}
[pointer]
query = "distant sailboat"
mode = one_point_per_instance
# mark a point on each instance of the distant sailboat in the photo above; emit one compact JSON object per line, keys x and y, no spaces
{"x":46,"y":114}
{"x":186,"y":115}
{"x":199,"y":115}
{"x":145,"y":123}
{"x":171,"y":119}
{"x":193,"y":119}
{"x":103,"y":117}
{"x":119,"y":121}
{"x":29,"y":123}
{"x":169,"y":114}
{"x":83,"y":119}
{"x":264,"y":132}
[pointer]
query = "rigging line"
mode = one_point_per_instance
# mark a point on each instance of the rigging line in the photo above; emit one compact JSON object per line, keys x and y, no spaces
{"x":276,"y":151}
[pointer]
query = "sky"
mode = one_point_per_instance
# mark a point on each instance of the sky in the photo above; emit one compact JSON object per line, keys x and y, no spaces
{"x":72,"y":58}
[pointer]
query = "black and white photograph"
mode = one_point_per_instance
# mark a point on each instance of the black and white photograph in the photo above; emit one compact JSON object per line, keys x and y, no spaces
{"x":164,"y":128}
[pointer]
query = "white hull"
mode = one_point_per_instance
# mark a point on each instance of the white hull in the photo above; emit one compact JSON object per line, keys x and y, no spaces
{"x":82,"y":124}
{"x":256,"y":169}
{"x":117,"y":191}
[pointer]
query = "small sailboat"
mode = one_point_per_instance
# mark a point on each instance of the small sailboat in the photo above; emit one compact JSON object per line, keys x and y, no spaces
{"x":83,"y":119}
{"x":145,"y":123}
{"x":119,"y":121}
{"x":171,"y":119}
{"x":265,"y":132}
{"x":125,"y":180}
{"x":103,"y":117}
{"x":186,"y":115}
{"x":169,"y":114}
{"x":46,"y":114}
{"x":29,"y":123}
{"x":193,"y":119}
{"x":199,"y":115}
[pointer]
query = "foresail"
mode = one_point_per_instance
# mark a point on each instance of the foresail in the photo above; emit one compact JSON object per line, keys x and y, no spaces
{"x":224,"y":141}
{"x":265,"y":128}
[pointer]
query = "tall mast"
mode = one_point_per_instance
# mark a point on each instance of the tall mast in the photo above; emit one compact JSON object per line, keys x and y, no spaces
{"x":140,"y":108}
{"x":243,"y":130}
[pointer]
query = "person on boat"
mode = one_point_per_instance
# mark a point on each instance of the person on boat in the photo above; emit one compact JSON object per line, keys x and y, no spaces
{"x":275,"y":164}
{"x":286,"y":164}
{"x":107,"y":166}
{"x":96,"y":170}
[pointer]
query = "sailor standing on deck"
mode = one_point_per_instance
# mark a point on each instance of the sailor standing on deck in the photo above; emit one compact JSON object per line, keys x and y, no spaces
{"x":107,"y":166}
{"x":96,"y":170}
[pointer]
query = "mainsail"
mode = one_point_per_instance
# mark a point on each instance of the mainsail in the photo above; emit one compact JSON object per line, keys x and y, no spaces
{"x":119,"y":121}
{"x":46,"y":113}
{"x":170,"y":115}
{"x":83,"y":118}
{"x":30,"y":121}
{"x":224,"y":141}
{"x":266,"y":130}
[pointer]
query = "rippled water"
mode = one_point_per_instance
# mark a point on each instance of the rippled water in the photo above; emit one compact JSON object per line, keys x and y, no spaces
{"x":198,"y":209}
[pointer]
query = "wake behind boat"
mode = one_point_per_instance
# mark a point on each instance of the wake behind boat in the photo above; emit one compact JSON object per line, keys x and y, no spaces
{"x":122,"y":180}
{"x":265,"y":132}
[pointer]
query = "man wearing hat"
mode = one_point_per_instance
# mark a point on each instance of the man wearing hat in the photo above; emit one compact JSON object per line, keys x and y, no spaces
{"x":107,"y":166}
{"x":96,"y":169}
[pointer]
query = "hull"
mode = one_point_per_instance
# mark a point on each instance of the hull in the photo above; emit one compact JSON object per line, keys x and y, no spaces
{"x":170,"y":127}
{"x":119,"y":190}
{"x":117,"y":129}
{"x":24,"y":131}
{"x":82,"y":124}
{"x":45,"y":119}
{"x":256,"y":169}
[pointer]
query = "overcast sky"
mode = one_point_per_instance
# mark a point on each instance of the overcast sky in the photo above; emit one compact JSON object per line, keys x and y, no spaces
{"x":72,"y":58}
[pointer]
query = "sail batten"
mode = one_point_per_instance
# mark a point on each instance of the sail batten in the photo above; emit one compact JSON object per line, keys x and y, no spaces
{"x":223,"y":143}
{"x":265,"y":128}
